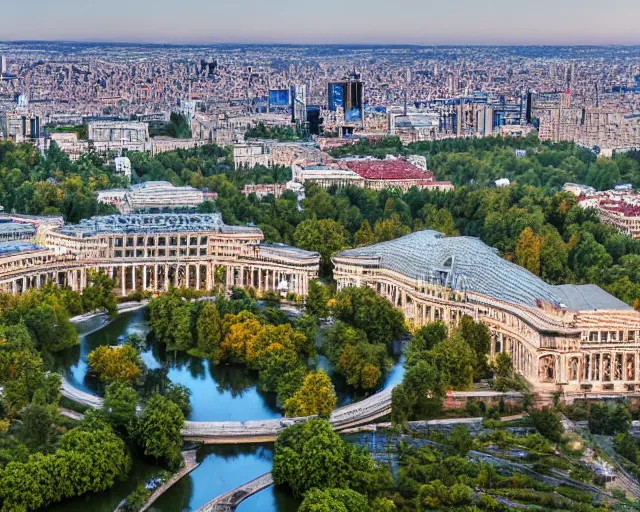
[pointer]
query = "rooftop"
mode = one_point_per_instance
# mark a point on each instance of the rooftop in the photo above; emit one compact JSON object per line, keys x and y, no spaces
{"x":388,"y":170}
{"x":16,"y":227}
{"x":154,"y":223}
{"x":287,"y":250}
{"x":468,"y":264}
{"x":8,"y":248}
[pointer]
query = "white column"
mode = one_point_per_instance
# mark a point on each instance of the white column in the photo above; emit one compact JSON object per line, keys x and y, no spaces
{"x":166,"y":278}
{"x":155,"y":278}
{"x":124,"y":280}
{"x":198,"y":269}
{"x":133,"y":278}
{"x":144,"y":276}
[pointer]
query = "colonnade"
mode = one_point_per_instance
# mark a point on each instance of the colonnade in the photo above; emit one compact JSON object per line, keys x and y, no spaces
{"x":609,"y":366}
{"x":267,"y":279}
{"x":159,"y":276}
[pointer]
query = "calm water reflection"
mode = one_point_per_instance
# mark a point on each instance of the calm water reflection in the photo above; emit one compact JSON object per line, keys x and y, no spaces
{"x":225,"y":468}
{"x":219,"y":393}
{"x":108,"y":500}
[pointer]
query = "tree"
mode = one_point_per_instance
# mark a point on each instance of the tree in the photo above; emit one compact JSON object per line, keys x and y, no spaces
{"x":478,"y":337}
{"x":100,"y":293}
{"x":548,"y":423}
{"x":181,"y":330}
{"x":311,"y":455}
{"x":364,"y":236}
{"x":528,"y":251}
{"x":37,"y":432}
{"x":460,"y":440}
{"x":454,"y":360}
{"x":427,"y":337}
{"x":116,"y":364}
{"x":120,"y":403}
{"x":326,"y":237}
{"x":240,"y":333}
{"x":86,"y":461}
{"x":180,"y":395}
{"x":317,"y":299}
{"x":420,"y":394}
{"x":363,"y":309}
{"x":316,"y":397}
{"x":334,"y":500}
{"x":554,"y":256}
{"x":158,"y":430}
{"x":390,"y":229}
{"x":626,"y":445}
{"x":209,"y":331}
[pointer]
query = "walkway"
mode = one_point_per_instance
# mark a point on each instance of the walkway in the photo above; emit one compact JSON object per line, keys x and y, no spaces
{"x":190,"y":463}
{"x":234,"y":432}
{"x":228,"y":501}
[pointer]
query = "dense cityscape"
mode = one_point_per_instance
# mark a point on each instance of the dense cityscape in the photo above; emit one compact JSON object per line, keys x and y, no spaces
{"x":319,"y":278}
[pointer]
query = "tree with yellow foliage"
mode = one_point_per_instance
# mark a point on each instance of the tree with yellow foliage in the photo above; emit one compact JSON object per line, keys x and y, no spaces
{"x":116,"y":364}
{"x":528,"y":250}
{"x":316,"y":397}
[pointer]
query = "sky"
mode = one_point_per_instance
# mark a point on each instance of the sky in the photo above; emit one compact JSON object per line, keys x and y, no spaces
{"x":324,"y":21}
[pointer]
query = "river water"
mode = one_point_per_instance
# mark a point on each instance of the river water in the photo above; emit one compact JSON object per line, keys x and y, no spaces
{"x":219,"y":393}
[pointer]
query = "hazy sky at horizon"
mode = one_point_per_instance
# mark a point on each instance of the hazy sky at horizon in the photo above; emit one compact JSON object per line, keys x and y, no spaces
{"x":325,"y":21}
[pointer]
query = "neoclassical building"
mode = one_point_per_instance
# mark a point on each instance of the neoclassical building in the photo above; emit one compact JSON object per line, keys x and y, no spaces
{"x":152,"y":252}
{"x":576,"y":339}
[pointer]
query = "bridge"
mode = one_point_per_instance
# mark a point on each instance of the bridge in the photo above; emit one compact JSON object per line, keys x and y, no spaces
{"x":264,"y":431}
{"x":228,"y":501}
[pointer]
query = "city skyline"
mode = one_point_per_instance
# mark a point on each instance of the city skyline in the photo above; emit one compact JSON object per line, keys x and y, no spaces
{"x":571,"y":22}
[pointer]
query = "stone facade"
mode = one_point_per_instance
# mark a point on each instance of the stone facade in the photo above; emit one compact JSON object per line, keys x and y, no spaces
{"x":155,"y":251}
{"x":578,"y":350}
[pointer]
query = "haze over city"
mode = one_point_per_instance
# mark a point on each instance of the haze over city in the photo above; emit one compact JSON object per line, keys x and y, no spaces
{"x":330,"y":21}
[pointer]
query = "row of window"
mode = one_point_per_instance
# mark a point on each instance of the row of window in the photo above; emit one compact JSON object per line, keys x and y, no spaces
{"x":607,"y":336}
{"x":162,"y":241}
{"x":153,"y":253}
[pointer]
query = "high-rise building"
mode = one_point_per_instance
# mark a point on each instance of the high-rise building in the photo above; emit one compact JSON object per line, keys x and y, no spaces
{"x":348,"y":95}
{"x":298,"y":103}
{"x":3,"y":65}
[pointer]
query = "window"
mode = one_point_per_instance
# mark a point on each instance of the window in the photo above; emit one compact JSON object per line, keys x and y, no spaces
{"x":203,"y":240}
{"x":128,"y":254}
{"x":203,"y":251}
{"x":604,"y":336}
{"x":183,"y":252}
{"x":162,"y":241}
{"x":151,"y":241}
{"x":172,"y":252}
{"x":173,"y":241}
{"x":632,"y":336}
{"x":593,"y":336}
{"x":140,"y":242}
{"x":161,"y":252}
{"x":193,"y":251}
{"x":118,"y":254}
{"x":130,"y":242}
{"x":139,"y":253}
{"x":193,"y":240}
{"x":118,"y":242}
